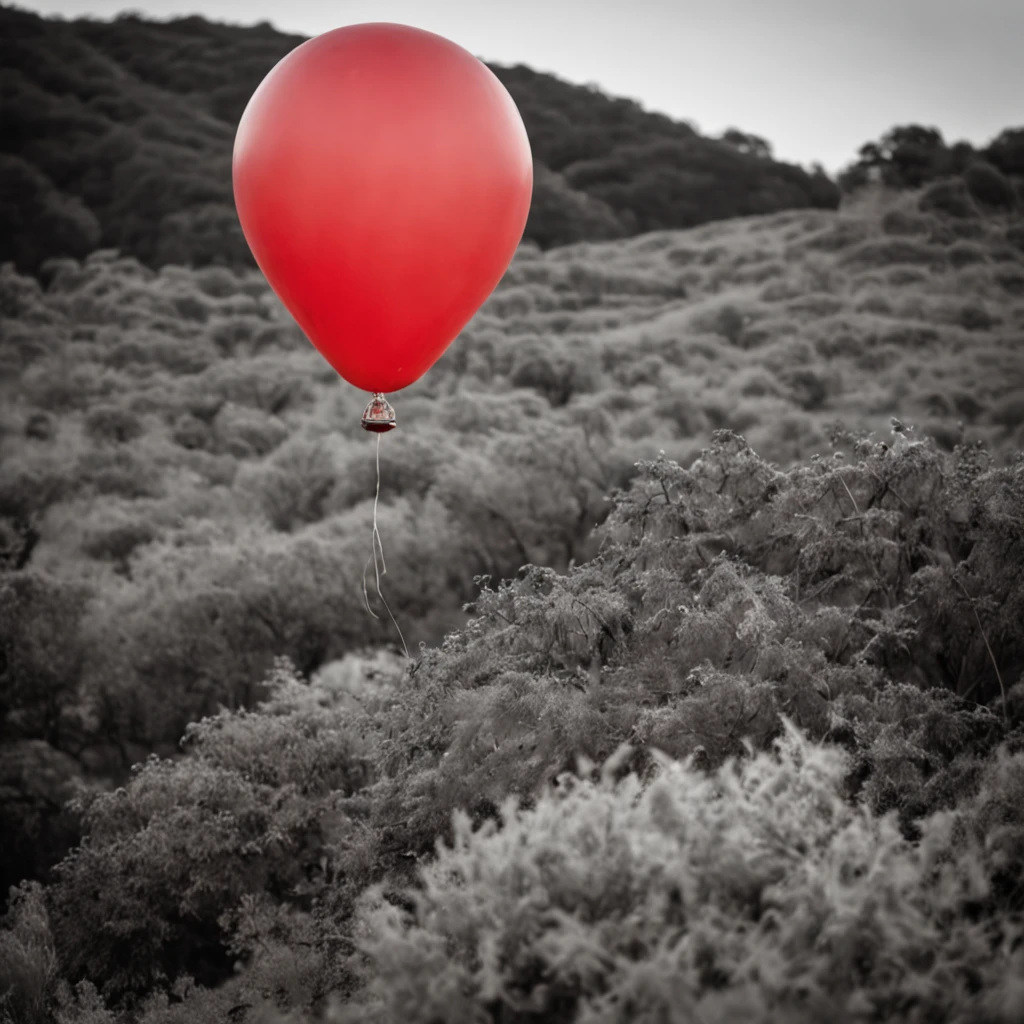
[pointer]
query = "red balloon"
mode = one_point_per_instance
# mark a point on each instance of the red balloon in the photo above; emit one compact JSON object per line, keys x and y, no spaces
{"x":383,"y":178}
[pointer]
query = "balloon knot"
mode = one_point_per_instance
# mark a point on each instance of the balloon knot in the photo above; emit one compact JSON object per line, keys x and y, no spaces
{"x":378,"y":416}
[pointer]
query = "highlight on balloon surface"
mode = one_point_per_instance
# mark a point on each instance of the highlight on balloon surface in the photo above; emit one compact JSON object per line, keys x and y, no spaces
{"x":383,"y":178}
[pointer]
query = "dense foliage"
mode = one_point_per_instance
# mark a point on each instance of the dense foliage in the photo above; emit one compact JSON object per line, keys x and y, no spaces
{"x":120,"y":134}
{"x":912,"y":156}
{"x":182,"y":503}
{"x":865,"y":611}
{"x":183,"y":498}
{"x":755,"y":893}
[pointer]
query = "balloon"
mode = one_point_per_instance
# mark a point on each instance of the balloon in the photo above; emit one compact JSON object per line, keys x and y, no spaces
{"x":382,"y":178}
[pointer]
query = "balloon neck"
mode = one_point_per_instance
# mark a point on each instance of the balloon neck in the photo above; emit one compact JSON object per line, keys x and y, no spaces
{"x":379,"y":417}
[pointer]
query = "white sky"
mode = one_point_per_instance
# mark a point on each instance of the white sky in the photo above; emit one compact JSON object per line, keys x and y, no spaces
{"x":816,"y":78}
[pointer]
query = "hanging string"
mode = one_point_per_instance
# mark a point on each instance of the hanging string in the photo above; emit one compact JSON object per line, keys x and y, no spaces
{"x":380,"y":569}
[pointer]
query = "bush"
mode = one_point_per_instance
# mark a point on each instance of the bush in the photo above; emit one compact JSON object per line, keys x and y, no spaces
{"x":240,"y":431}
{"x":172,"y":854}
{"x":872,"y":601}
{"x":727,"y":321}
{"x":875,"y":303}
{"x":28,"y":963}
{"x":949,"y":198}
{"x":36,"y":783}
{"x":40,"y":427}
{"x":191,"y":432}
{"x":810,"y":389}
{"x":964,"y":254}
{"x":975,"y":317}
{"x":844,"y":233}
{"x":1011,"y":281}
{"x":903,"y":222}
{"x":111,"y":423}
{"x":116,"y":542}
{"x":990,"y":187}
{"x":885,"y":251}
{"x":754,"y":893}
{"x":1009,"y":411}
{"x":292,"y":488}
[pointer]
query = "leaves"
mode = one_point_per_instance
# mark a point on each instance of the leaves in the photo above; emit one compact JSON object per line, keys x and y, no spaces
{"x":757,"y":887}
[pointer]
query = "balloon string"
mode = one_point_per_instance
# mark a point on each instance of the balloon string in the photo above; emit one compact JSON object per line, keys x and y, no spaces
{"x":381,"y":569}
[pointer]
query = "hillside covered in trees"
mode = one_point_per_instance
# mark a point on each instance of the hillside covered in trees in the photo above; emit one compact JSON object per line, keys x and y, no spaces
{"x":119,"y":134}
{"x":707,"y":540}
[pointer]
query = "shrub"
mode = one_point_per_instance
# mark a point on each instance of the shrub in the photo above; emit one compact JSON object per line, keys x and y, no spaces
{"x":755,"y":893}
{"x":172,"y":854}
{"x":963,"y":254}
{"x":116,"y":542}
{"x":28,"y":963}
{"x":120,"y":470}
{"x":558,"y":378}
{"x":292,"y":488}
{"x":875,"y":303}
{"x":843,"y":233}
{"x":36,"y":783}
{"x":1008,"y":412}
{"x":990,"y":187}
{"x":39,"y":426}
{"x":885,"y":251}
{"x":681,"y":409}
{"x":1011,"y":281}
{"x":191,"y":432}
{"x":949,"y":198}
{"x":809,"y":388}
{"x":243,"y":432}
{"x":41,"y":656}
{"x":975,"y":317}
{"x":903,"y":222}
{"x":112,"y":423}
{"x":727,"y":321}
{"x":217,"y":282}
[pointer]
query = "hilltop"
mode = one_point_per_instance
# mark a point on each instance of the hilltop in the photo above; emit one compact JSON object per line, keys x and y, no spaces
{"x":119,"y":134}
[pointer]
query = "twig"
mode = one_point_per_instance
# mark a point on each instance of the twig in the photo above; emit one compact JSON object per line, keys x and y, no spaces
{"x":992,"y":657}
{"x":852,"y":498}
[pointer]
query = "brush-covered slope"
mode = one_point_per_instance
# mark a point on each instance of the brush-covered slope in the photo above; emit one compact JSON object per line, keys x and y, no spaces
{"x":185,"y":468}
{"x":811,"y":679}
{"x":186,"y":497}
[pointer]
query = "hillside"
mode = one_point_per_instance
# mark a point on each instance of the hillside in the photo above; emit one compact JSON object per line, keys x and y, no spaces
{"x":119,"y":134}
{"x":187,"y":476}
{"x":800,"y":680}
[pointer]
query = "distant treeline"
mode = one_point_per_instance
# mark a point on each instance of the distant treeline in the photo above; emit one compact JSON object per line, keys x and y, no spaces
{"x":119,"y":134}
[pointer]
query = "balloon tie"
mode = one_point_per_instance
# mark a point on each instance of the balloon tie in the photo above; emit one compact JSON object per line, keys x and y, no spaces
{"x":380,"y":569}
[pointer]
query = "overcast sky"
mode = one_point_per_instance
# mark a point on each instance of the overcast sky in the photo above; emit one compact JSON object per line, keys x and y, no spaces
{"x":816,"y":78}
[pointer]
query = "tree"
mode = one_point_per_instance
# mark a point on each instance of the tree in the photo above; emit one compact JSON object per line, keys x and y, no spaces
{"x":41,"y":658}
{"x":907,"y":156}
{"x":207,"y":235}
{"x":1006,"y":151}
{"x":37,"y":221}
{"x":752,"y":145}
{"x":173,"y":858}
{"x":989,"y":187}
